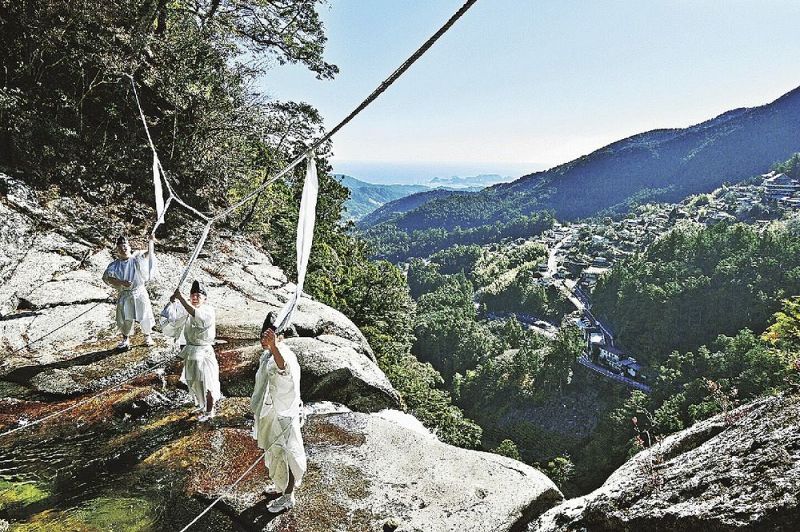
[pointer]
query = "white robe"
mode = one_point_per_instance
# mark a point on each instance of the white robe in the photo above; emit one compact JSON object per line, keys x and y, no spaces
{"x":133,"y":303}
{"x":277,"y":408}
{"x":198,"y":332}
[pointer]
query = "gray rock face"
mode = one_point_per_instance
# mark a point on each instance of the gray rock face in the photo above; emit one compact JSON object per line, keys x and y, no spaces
{"x":383,"y":470}
{"x":743,"y":474}
{"x":366,"y":470}
{"x":57,"y":331}
{"x":334,"y":370}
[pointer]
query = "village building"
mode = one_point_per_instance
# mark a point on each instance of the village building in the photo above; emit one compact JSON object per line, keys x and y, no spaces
{"x":590,"y":275}
{"x":780,"y":186}
{"x":611,"y":356}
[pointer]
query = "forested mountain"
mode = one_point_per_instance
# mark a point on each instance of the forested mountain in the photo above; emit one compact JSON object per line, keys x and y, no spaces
{"x":663,"y":165}
{"x":366,"y":197}
{"x":403,"y":205}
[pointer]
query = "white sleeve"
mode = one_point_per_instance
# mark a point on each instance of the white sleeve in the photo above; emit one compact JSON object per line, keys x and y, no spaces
{"x":148,"y":264}
{"x":174,"y":311}
{"x":204,"y":316}
{"x":173,"y":320}
{"x":284,"y":381}
{"x":111,"y":270}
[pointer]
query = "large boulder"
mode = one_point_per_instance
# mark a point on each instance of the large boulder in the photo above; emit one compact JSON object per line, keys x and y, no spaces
{"x":331,"y":370}
{"x":365,"y":472}
{"x":57,"y":329}
{"x":736,"y":471}
{"x":334,"y":370}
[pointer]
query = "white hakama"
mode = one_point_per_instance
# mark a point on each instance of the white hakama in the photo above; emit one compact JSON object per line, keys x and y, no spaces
{"x":277,"y":409}
{"x":133,"y":303}
{"x":198,"y":332}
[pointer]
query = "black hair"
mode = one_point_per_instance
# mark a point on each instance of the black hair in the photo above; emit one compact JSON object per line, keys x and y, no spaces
{"x":198,"y":288}
{"x":269,"y":322}
{"x":123,"y":240}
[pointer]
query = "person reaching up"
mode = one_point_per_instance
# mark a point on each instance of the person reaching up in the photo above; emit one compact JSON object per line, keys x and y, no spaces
{"x":277,"y":409}
{"x":195,"y":322}
{"x":128,"y":274}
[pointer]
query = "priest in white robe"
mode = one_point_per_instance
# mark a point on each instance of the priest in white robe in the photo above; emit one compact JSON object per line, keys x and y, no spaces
{"x":193,"y":322}
{"x":277,"y":409}
{"x":129,"y":274}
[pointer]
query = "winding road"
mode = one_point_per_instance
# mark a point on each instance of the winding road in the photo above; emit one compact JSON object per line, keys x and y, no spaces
{"x":581,"y":302}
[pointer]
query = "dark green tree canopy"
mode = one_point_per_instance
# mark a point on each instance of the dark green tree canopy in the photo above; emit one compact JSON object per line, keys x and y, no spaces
{"x":67,"y":115}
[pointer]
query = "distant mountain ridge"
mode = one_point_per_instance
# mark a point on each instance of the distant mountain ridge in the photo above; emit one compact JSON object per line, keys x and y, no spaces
{"x":482,"y":180}
{"x":366,"y":197}
{"x":660,"y":165}
{"x":408,"y":203}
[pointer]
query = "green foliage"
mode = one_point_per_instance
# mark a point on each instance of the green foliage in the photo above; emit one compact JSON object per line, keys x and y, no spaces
{"x":448,"y":335}
{"x":561,"y":354}
{"x":420,"y":386}
{"x":785,"y":330}
{"x":518,"y":291}
{"x":398,"y":244}
{"x":532,"y":372}
{"x":743,"y":362}
{"x":507,"y":448}
{"x":699,"y":200}
{"x":457,"y":259}
{"x":612,"y":443}
{"x":560,"y":470}
{"x":510,"y":332}
{"x":694,"y":284}
{"x":69,"y":116}
{"x":423,"y":277}
{"x":791,"y":167}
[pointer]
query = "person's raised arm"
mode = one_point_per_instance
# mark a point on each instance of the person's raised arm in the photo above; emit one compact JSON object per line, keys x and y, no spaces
{"x":269,"y":341}
{"x":177,"y":295}
{"x":151,"y":244}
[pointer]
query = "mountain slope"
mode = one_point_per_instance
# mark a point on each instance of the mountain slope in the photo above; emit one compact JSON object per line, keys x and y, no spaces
{"x":366,"y":197}
{"x":404,"y":205}
{"x":664,"y":165}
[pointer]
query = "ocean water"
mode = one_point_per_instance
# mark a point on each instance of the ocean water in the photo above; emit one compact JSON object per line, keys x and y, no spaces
{"x":432,"y":173}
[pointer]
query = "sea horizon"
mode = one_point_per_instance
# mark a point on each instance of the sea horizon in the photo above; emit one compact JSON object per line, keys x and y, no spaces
{"x":422,"y":173}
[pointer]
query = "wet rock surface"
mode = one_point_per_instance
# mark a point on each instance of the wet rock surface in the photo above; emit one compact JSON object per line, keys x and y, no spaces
{"x":734,"y":472}
{"x":139,"y":459}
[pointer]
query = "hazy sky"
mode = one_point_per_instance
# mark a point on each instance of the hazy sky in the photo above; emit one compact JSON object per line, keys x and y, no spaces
{"x":539,"y":82}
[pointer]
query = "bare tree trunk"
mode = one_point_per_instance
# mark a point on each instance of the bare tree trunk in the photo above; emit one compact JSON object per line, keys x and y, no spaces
{"x":161,"y":13}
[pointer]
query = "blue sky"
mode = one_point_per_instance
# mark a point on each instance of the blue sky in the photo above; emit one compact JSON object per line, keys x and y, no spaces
{"x":520,"y":84}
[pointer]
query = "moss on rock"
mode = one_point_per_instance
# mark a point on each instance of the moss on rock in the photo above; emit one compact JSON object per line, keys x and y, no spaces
{"x":101,"y":514}
{"x":20,"y":494}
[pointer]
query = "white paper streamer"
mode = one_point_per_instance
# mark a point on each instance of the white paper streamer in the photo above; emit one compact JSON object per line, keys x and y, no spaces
{"x":305,"y":237}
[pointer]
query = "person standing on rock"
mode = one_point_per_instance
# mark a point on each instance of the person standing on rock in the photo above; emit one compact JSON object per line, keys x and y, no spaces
{"x":129,"y":273}
{"x":195,"y":322}
{"x":277,"y":409}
